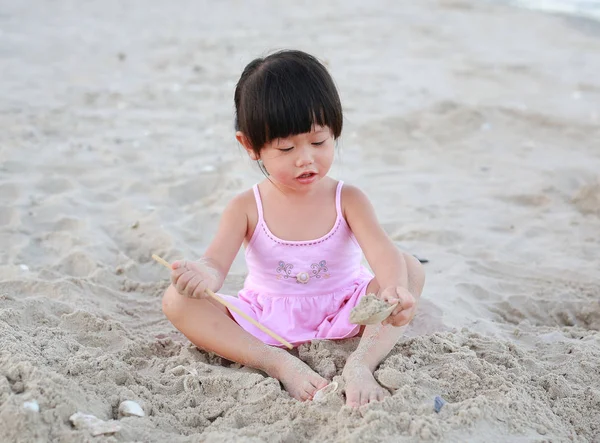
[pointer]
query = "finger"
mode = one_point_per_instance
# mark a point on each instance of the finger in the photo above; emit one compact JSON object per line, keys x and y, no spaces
{"x":177,"y":264}
{"x":389,"y":298}
{"x":406,"y":297}
{"x":408,"y":303}
{"x":192,"y":285}
{"x":184,"y":280}
{"x":400,"y":320}
{"x":175,"y":273}
{"x":200,"y":290}
{"x":397,"y":319}
{"x":397,"y":311}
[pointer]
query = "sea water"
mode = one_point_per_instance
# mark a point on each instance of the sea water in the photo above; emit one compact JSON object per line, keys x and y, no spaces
{"x":582,"y":8}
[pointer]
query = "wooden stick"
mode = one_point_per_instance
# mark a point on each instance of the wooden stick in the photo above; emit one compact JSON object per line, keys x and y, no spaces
{"x":233,"y":308}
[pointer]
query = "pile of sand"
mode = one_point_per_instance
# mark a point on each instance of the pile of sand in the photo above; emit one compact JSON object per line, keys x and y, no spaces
{"x":472,"y":126}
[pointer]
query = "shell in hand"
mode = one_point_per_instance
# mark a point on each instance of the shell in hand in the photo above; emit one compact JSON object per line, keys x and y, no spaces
{"x":371,"y":310}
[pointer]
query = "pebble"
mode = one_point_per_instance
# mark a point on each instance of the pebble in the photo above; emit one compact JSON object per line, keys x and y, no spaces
{"x":438,"y":402}
{"x":130,"y":408}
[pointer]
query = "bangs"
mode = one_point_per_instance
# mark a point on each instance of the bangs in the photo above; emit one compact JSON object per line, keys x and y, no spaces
{"x":284,"y":98}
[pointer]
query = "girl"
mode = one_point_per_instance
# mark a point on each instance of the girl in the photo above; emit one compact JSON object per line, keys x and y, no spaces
{"x":304,"y":234}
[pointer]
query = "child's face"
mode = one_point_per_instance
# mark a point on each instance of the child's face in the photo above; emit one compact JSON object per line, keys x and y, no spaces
{"x":301,"y":160}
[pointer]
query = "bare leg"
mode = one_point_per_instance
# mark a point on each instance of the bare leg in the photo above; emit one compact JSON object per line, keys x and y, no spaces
{"x":209,"y":326}
{"x":376,"y":343}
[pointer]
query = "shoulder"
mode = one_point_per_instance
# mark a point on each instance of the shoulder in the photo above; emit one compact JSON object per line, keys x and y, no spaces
{"x":241,"y":204}
{"x":243,"y":199}
{"x":357,"y":209}
{"x":353,"y":198}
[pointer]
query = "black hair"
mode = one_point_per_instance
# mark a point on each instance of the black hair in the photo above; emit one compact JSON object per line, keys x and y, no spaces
{"x":284,"y":94}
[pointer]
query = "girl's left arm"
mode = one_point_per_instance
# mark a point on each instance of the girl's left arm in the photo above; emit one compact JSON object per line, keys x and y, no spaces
{"x":386,"y":261}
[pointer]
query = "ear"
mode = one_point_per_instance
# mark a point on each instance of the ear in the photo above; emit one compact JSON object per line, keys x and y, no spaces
{"x":243,"y":140}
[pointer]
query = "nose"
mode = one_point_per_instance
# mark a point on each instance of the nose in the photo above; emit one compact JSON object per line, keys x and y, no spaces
{"x":305,"y":157}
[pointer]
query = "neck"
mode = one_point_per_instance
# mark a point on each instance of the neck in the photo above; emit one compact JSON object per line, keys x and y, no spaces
{"x":298,"y":193}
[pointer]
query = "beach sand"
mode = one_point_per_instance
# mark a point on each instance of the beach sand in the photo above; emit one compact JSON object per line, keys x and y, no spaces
{"x":474,"y":127}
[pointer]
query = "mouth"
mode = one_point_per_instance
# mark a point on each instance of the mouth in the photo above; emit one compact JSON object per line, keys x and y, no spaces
{"x":306,"y":175}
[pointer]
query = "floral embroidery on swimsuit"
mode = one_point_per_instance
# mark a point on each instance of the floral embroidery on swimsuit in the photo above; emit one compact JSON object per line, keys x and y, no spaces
{"x":318,"y":270}
{"x":318,"y":267}
{"x":286,"y":268}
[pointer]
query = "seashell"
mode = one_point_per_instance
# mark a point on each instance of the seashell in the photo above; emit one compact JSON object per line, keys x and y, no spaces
{"x":181,"y":370}
{"x":130,"y":408}
{"x":302,"y":277}
{"x":371,"y":310}
{"x":322,"y":394}
{"x":178,"y":370}
{"x":94,"y":424}
{"x":32,"y":405}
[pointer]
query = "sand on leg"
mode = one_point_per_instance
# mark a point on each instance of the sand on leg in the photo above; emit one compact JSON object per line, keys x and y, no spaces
{"x":209,"y":326}
{"x":376,"y":343}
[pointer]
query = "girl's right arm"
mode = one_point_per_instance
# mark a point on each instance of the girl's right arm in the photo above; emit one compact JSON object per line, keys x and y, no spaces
{"x":192,"y":278}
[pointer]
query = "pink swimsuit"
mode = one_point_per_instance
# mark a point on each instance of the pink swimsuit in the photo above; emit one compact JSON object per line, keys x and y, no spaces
{"x":302,"y":290}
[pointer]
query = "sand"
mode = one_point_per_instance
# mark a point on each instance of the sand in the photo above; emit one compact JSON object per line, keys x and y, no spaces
{"x":473,"y":127}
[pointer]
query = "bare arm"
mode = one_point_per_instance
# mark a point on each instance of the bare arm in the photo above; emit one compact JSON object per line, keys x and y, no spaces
{"x":229,"y":237}
{"x":386,"y":261}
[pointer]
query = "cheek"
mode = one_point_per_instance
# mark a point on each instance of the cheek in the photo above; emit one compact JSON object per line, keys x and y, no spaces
{"x":327,"y":155}
{"x":275,"y":167}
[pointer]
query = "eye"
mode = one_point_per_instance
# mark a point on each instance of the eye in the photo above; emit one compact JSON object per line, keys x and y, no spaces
{"x":319,"y":143}
{"x":286,"y":149}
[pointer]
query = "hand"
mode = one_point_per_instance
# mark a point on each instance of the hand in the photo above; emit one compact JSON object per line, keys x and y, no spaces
{"x":405,"y":310}
{"x":193,"y":278}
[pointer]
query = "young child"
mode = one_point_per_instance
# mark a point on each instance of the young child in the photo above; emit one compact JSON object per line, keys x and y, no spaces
{"x":304,"y":235}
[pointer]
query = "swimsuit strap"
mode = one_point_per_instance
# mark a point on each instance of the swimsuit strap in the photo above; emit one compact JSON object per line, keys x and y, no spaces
{"x":338,"y":198}
{"x":258,"y":203}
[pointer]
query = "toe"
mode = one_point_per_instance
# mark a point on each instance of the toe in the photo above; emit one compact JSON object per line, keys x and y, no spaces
{"x":364,"y":399}
{"x":299,"y":394}
{"x":352,"y":398}
{"x":308,"y":390}
{"x":318,"y":382}
{"x":374,"y":396}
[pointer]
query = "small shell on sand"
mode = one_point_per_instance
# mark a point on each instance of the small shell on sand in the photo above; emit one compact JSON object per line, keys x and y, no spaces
{"x":323,"y":393}
{"x":94,"y":424}
{"x":32,"y":405}
{"x":367,"y":308}
{"x":130,"y":408}
{"x":182,"y":370}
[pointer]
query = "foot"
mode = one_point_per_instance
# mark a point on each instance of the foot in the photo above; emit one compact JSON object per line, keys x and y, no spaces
{"x":298,"y":379}
{"x":361,"y":386}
